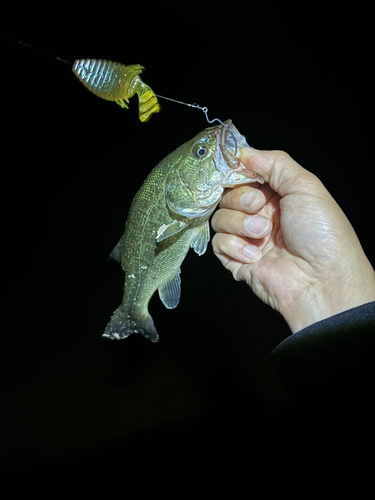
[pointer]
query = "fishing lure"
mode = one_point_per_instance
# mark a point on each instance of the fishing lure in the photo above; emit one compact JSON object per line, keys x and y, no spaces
{"x":116,"y":82}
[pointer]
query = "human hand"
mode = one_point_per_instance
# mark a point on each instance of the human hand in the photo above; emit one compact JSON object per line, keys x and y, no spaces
{"x":302,"y":256}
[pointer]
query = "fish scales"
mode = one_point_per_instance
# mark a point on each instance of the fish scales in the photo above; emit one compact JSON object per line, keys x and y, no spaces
{"x":169,"y":214}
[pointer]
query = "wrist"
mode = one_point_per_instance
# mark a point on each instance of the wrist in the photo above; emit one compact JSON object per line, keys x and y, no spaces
{"x":321,"y":302}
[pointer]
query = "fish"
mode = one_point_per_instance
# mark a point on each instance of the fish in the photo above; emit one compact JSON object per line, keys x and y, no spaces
{"x":169,"y":215}
{"x":116,"y":82}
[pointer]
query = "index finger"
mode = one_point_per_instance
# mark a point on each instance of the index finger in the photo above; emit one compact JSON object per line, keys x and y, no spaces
{"x":247,"y":199}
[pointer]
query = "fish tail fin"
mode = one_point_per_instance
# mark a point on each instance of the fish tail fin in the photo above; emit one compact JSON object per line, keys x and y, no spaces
{"x":121,"y":326}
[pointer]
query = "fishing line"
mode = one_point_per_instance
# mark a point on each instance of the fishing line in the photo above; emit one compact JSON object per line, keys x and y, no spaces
{"x":205,"y":111}
{"x":38,"y":50}
{"x":196,"y":106}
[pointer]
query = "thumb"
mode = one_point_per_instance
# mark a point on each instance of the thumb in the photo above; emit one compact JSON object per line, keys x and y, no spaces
{"x":284,"y":175}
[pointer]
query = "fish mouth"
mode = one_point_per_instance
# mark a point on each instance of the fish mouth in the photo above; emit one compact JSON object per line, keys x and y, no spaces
{"x":230,"y":136}
{"x":228,"y":145}
{"x":227,"y":136}
{"x":227,"y":154}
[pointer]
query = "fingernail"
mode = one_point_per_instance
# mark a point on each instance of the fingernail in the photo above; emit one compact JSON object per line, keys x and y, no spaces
{"x":248,"y":198}
{"x":257,"y":224}
{"x":252,"y":253}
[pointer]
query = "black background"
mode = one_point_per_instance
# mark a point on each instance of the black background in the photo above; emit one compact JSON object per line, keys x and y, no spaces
{"x":297,"y":79}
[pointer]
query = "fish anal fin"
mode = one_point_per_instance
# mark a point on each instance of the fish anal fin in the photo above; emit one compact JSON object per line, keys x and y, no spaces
{"x":170,"y":292}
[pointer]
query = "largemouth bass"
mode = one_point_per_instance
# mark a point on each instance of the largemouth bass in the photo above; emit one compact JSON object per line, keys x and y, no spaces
{"x":168,"y":216}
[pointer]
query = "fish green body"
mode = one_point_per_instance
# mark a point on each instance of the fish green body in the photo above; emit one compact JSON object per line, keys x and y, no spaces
{"x":168,"y":216}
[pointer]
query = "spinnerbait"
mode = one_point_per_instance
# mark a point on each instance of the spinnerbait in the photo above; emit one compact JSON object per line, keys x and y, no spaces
{"x":116,"y":82}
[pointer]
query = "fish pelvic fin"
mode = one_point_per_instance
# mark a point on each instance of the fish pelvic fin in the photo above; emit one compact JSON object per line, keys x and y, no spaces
{"x":121,"y":326}
{"x":201,"y":239}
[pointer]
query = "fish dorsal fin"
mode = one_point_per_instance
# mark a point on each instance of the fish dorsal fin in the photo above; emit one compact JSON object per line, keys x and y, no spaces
{"x":170,"y":292}
{"x":116,"y":252}
{"x":201,"y":239}
{"x":167,"y":230}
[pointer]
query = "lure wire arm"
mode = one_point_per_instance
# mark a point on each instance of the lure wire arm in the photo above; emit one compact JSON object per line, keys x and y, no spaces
{"x":205,"y":111}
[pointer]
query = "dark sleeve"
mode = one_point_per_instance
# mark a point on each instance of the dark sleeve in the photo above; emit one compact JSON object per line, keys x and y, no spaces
{"x":327,"y":369}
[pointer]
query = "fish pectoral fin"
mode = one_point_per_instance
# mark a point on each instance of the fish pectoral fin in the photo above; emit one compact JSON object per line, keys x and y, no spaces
{"x":201,"y":239}
{"x":167,"y":230}
{"x":116,"y":252}
{"x":170,"y":292}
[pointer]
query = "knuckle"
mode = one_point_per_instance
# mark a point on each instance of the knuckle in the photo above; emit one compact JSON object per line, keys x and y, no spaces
{"x":226,"y":200}
{"x":214,"y":242}
{"x":217,"y":243}
{"x":280,"y":159}
{"x":229,"y":223}
{"x":221,"y":243}
{"x":281,"y":155}
{"x":215,"y":220}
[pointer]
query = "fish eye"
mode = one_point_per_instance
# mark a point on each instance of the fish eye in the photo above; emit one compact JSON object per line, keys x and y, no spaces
{"x":200,"y":150}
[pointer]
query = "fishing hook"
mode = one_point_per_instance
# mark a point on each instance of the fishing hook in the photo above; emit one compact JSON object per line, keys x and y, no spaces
{"x":205,"y":111}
